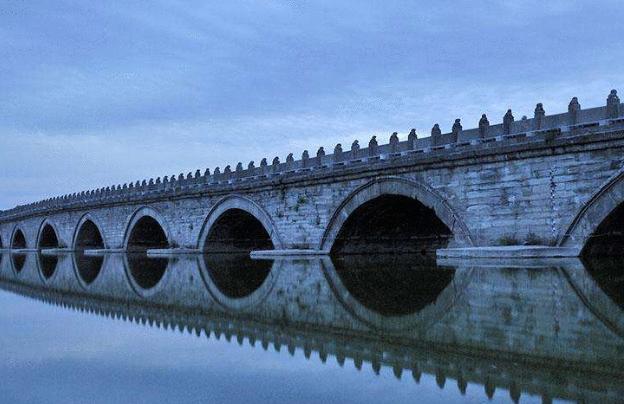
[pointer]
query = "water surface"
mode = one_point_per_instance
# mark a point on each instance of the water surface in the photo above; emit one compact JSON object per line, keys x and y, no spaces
{"x":224,"y":328}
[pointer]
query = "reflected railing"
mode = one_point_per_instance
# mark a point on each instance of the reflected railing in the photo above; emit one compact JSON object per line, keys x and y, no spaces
{"x":467,"y":322}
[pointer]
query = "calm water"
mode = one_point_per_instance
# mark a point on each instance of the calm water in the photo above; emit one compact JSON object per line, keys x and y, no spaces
{"x":228,"y":329}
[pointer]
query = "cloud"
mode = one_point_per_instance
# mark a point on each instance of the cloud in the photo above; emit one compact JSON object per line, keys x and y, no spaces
{"x":100,"y":94}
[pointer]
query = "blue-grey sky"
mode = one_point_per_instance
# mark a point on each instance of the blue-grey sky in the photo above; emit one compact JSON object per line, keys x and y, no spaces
{"x":99,"y":93}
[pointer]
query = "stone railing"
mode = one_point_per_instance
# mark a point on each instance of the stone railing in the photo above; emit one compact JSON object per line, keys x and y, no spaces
{"x":549,"y":126}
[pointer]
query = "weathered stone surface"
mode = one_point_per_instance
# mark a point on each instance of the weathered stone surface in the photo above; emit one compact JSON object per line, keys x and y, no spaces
{"x":509,"y":185}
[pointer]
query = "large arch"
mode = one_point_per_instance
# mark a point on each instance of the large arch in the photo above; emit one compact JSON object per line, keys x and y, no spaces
{"x":18,"y":239}
{"x":396,"y":186}
{"x":145,"y":220}
{"x":47,"y":236}
{"x":600,"y":206}
{"x":88,"y":234}
{"x":241,"y":204}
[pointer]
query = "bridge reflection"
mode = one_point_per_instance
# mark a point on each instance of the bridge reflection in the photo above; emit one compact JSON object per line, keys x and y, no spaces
{"x":541,"y":329}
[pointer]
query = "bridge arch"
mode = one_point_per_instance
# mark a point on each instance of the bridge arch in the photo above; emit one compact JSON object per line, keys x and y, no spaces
{"x":601,"y":208}
{"x":252,"y":216}
{"x":18,"y":240}
{"x":401,"y":189}
{"x":146,"y":229}
{"x":47,"y":235}
{"x":88,"y":234}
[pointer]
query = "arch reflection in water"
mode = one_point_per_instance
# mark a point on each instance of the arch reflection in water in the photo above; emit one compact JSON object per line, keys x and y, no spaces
{"x":145,"y":272}
{"x":88,"y":267}
{"x":236,"y":276}
{"x":393,"y":285}
{"x":18,"y":260}
{"x":47,"y":265}
{"x":608,"y":274}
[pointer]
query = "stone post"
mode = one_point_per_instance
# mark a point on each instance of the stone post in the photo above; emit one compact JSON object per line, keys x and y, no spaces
{"x":573,"y":108}
{"x":456,"y":130}
{"x":275,"y":164}
{"x":305,"y":157}
{"x":394,"y":142}
{"x":290,"y":160}
{"x":436,"y":134}
{"x":538,"y":122}
{"x":338,"y":153}
{"x":484,"y":125}
{"x":507,"y":121}
{"x":319,"y":156}
{"x":613,"y":105}
{"x":355,"y":149}
{"x":373,"y":147}
{"x":411,"y":139}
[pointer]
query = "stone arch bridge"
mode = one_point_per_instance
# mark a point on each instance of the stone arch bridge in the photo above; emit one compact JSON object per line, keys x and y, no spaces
{"x":554,"y":181}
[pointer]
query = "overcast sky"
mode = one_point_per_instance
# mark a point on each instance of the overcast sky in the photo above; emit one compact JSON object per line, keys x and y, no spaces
{"x":96,"y":93}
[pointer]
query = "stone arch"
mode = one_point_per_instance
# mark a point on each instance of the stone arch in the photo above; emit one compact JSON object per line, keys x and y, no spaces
{"x":593,"y":213}
{"x":399,"y":187}
{"x":18,"y":238}
{"x":137,"y":216}
{"x":47,"y":229}
{"x":241,"y":203}
{"x":87,"y":217}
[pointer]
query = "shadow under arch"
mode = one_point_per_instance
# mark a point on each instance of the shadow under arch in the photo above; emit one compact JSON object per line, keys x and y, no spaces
{"x":238,"y":203}
{"x":48,"y":235}
{"x":396,"y":186}
{"x":422,"y":314}
{"x":237,"y":282}
{"x":18,"y":241}
{"x":594,"y":212}
{"x":88,"y":234}
{"x":146,"y":229}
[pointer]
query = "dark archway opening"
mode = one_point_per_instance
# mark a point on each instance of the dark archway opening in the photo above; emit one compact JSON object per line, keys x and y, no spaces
{"x":392,"y":224}
{"x":88,"y":238}
{"x":237,"y":231}
{"x":237,"y":275}
{"x":47,"y":264}
{"x":608,"y":238}
{"x":48,"y":237}
{"x":19,"y":241}
{"x":393,"y":285}
{"x":146,"y":234}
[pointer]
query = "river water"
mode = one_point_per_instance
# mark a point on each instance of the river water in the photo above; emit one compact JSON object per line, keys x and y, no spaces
{"x":225,"y":328}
